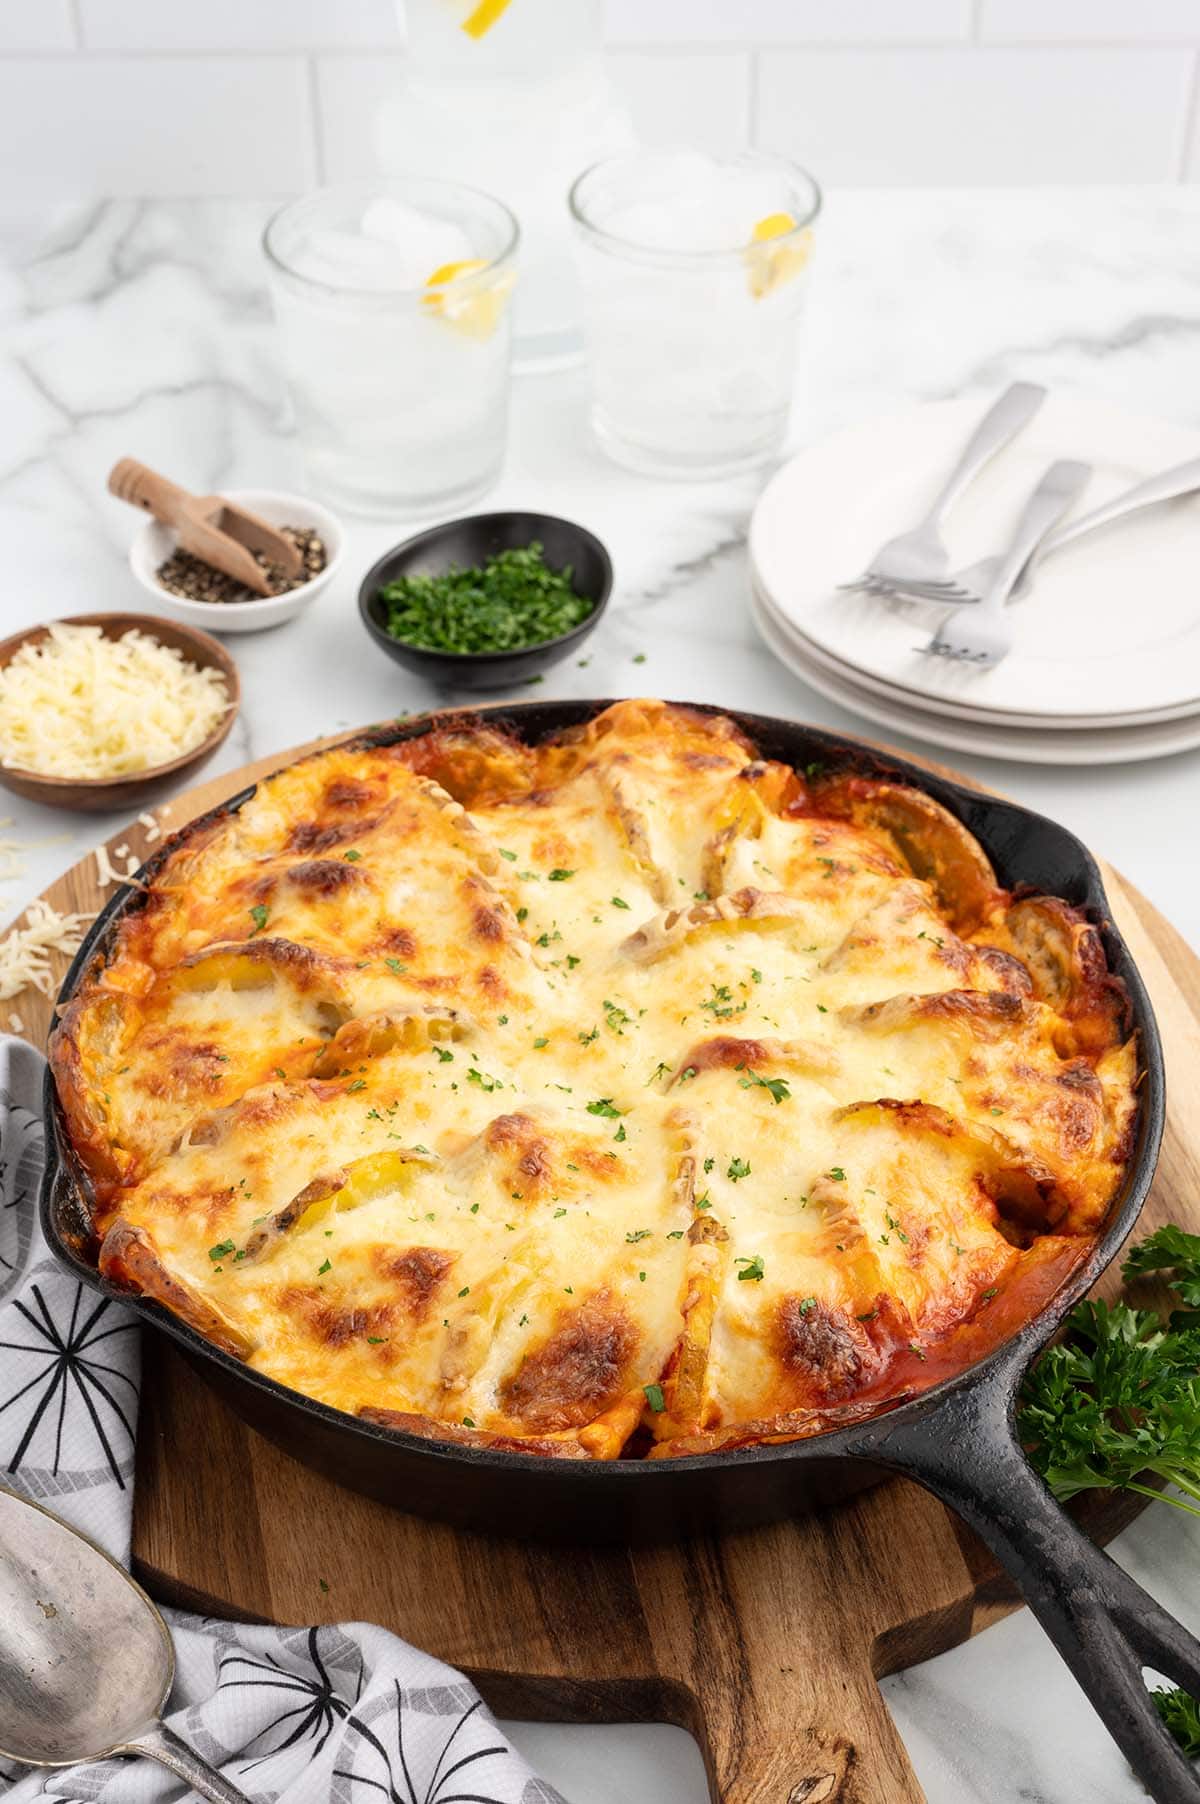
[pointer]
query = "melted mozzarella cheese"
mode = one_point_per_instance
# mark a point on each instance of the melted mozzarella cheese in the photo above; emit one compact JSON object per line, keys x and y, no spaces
{"x":645,"y":1096}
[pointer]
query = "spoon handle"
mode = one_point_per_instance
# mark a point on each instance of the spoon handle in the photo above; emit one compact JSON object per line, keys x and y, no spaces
{"x":162,"y":1744}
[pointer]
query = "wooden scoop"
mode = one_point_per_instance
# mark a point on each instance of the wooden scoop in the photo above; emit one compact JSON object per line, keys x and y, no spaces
{"x":208,"y":526}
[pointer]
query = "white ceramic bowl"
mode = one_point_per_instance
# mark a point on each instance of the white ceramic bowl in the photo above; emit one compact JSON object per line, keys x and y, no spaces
{"x":154,"y":543}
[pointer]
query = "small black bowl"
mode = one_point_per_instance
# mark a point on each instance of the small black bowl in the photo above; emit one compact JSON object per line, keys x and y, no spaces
{"x":466,"y":544}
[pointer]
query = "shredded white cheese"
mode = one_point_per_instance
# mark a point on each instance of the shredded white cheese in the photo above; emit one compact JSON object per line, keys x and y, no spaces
{"x":106,"y":870}
{"x":25,"y":951}
{"x":76,"y":704}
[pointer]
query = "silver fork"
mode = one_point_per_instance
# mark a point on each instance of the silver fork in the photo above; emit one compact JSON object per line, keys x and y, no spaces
{"x":981,"y":635}
{"x":1167,"y":485}
{"x":920,"y":555}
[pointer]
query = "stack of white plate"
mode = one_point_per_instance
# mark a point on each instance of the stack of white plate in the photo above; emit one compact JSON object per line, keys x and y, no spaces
{"x":1106,"y":661}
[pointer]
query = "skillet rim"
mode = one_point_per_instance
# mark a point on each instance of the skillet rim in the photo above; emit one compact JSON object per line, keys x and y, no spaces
{"x":975,"y":808}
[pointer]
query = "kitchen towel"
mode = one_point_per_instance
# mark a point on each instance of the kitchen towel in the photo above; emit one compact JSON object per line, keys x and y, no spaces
{"x":341,"y":1714}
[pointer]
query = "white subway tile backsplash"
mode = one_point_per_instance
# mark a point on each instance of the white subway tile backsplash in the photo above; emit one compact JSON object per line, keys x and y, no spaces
{"x":1089,"y":21}
{"x":36,"y":25}
{"x":787,"y":21}
{"x":92,"y":126}
{"x":256,"y":96}
{"x":680,"y":97}
{"x":136,"y":25}
{"x":963,"y":117}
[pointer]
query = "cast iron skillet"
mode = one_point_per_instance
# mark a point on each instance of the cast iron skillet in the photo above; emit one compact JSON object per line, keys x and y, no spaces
{"x":957,"y":1439}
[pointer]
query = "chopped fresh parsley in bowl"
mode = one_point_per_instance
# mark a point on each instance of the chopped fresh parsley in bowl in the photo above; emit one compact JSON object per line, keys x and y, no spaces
{"x":488,"y":601}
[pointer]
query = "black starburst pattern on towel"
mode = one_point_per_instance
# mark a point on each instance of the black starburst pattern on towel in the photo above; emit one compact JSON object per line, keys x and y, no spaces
{"x":72,"y":1379}
{"x":449,"y":1773}
{"x":318,"y":1707}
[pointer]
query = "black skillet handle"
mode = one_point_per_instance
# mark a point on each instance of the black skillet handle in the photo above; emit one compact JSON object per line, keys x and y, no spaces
{"x":964,"y":1449}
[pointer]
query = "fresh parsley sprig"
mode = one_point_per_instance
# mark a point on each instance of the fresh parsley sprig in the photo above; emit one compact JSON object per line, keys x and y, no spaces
{"x":1118,"y":1401}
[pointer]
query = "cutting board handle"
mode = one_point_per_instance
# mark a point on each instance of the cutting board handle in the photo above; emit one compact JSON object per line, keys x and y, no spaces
{"x":772,"y":1672}
{"x":766,"y":1740}
{"x":964,"y":1448}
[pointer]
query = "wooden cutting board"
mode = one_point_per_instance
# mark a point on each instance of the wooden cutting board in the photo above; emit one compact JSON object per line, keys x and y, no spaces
{"x":767,"y":1646}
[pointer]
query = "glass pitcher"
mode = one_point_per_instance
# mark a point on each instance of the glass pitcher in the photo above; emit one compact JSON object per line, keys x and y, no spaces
{"x":511,"y":96}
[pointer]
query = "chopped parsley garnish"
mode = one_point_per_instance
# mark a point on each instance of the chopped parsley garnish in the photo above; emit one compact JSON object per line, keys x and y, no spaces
{"x":704,"y":1202}
{"x":604,"y":1106}
{"x":505,"y":853}
{"x":540,"y":1042}
{"x":895,"y":1227}
{"x":352,"y":857}
{"x":322,"y":1269}
{"x":807,"y":1303}
{"x":483,"y":1080}
{"x":637,"y":1234}
{"x":738,"y":1168}
{"x":654,"y":1397}
{"x":444,"y":1054}
{"x":837,"y":1174}
{"x":620,"y":1133}
{"x":376,"y":1340}
{"x":558,"y":875}
{"x":752,"y":1269}
{"x":513,"y":600}
{"x":586,"y":1039}
{"x":222,"y":1250}
{"x":619,"y":902}
{"x":616,"y":1017}
{"x":395,"y":964}
{"x":258,"y":914}
{"x":722,"y":1004}
{"x":778,"y":1086}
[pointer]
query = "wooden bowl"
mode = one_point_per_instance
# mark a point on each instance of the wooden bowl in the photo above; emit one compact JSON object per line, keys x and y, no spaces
{"x":104,"y":795}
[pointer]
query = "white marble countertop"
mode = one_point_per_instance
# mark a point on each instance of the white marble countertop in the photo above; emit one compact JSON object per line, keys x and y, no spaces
{"x":144,"y":330}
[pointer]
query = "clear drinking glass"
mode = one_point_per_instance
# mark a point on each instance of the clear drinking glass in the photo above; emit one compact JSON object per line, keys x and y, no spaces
{"x":694,"y":275}
{"x":394,"y":306}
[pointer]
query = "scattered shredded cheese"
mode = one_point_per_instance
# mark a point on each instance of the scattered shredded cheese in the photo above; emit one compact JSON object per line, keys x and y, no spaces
{"x":25,"y":951}
{"x":15,"y":1023}
{"x":76,"y":704}
{"x":153,"y":830}
{"x":106,"y":870}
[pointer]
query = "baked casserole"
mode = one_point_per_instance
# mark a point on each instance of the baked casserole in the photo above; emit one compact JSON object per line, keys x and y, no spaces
{"x":624,"y":1095}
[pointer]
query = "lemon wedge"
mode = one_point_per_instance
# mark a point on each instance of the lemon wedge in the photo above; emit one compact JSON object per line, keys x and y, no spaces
{"x":769,"y":265}
{"x":476,"y":313}
{"x":479,"y":22}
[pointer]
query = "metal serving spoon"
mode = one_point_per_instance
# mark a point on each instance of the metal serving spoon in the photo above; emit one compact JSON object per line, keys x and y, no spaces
{"x":86,"y":1661}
